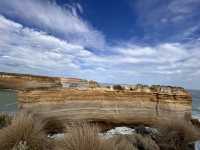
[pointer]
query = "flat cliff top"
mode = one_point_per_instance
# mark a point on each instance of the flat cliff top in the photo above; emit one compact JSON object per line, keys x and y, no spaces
{"x":4,"y":74}
{"x":27,"y":81}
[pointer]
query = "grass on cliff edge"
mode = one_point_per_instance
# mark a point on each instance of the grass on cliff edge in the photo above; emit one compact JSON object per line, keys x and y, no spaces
{"x":26,"y":133}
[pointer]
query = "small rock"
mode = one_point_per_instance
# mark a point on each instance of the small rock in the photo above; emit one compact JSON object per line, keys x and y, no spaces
{"x":197,"y":145}
{"x":117,"y":131}
{"x":145,"y":130}
{"x":56,"y":136}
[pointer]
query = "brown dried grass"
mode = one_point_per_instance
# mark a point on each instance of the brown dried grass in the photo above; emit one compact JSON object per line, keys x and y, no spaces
{"x":176,"y":134}
{"x":85,"y":137}
{"x":81,"y":137}
{"x":24,"y":128}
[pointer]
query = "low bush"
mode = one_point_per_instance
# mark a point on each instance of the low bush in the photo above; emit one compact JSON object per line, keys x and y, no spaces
{"x":118,"y":87}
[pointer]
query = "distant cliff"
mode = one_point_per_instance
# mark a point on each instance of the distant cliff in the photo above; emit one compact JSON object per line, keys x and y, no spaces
{"x":16,"y":81}
{"x":24,"y":81}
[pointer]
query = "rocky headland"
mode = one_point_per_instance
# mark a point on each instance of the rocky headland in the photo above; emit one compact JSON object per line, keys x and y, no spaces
{"x":72,"y":99}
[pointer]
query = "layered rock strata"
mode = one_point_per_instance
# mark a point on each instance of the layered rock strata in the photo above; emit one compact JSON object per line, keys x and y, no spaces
{"x":71,"y":99}
{"x":110,"y":106}
{"x":24,"y":81}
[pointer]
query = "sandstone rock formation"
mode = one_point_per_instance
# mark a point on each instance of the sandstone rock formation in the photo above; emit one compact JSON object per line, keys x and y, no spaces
{"x":110,"y":106}
{"x":78,"y":99}
{"x":24,"y":81}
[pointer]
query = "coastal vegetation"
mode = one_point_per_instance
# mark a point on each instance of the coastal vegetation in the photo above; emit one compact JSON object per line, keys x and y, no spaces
{"x":28,"y":132}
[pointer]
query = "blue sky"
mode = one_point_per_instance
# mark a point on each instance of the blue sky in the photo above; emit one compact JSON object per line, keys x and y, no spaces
{"x":115,"y":41}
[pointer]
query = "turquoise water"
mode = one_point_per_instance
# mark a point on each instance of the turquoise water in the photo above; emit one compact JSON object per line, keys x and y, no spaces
{"x":7,"y":101}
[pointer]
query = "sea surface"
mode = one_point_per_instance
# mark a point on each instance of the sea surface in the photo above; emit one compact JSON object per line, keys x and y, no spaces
{"x":8,"y":102}
{"x":195,"y":103}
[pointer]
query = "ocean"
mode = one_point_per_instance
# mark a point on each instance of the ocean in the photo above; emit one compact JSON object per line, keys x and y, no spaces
{"x":195,"y":103}
{"x":8,"y":102}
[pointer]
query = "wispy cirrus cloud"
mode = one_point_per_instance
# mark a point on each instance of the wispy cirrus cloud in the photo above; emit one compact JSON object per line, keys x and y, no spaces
{"x":22,"y":48}
{"x":60,"y":21}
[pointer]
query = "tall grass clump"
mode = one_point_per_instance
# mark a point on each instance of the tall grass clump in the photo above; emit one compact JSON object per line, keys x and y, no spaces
{"x":82,"y":137}
{"x":176,"y":134}
{"x":24,"y":129}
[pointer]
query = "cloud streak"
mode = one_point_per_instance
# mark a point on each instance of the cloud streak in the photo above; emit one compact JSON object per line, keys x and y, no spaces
{"x":60,"y":21}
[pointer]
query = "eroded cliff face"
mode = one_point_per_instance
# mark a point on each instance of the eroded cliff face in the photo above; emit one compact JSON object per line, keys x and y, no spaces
{"x":105,"y":105}
{"x":71,"y":99}
{"x":24,"y":82}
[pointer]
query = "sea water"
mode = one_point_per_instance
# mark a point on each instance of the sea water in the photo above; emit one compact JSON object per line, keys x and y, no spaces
{"x":8,"y":101}
{"x":195,"y":103}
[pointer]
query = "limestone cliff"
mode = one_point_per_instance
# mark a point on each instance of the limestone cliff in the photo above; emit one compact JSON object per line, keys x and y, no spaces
{"x":76,"y":99}
{"x":24,"y":81}
{"x":106,"y":105}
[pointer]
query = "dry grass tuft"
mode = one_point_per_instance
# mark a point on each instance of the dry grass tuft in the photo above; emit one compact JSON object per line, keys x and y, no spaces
{"x":5,"y":120}
{"x":85,"y":137}
{"x":24,"y":129}
{"x":21,"y":146}
{"x":176,"y":134}
{"x":82,"y":137}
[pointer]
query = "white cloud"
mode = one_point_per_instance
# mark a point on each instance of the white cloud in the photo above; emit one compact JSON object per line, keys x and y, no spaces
{"x":50,"y":17}
{"x":23,"y":49}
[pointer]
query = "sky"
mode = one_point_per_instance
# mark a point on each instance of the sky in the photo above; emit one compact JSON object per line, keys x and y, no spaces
{"x":110,"y":41}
